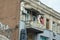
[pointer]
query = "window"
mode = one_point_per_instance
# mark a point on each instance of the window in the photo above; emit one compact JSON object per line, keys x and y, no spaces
{"x":47,"y":23}
{"x":25,"y":16}
{"x":54,"y":24}
{"x":34,"y":18}
{"x":43,"y":38}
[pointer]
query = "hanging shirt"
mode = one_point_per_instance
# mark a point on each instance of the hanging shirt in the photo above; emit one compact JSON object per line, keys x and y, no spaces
{"x":42,"y":21}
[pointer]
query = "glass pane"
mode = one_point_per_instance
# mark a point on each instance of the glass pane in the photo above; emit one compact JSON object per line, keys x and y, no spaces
{"x":43,"y":38}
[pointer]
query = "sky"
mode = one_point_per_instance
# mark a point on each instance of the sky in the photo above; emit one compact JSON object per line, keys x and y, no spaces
{"x":55,"y":4}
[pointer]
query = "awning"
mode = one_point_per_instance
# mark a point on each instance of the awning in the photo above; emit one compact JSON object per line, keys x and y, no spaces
{"x":34,"y":30}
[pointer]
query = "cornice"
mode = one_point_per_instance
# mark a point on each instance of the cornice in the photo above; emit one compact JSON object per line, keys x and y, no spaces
{"x":44,"y":8}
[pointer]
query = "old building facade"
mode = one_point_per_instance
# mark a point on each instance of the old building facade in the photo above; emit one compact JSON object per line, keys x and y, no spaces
{"x":41,"y":21}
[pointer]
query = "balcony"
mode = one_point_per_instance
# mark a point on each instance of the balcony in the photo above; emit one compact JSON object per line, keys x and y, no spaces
{"x":30,"y":20}
{"x":33,"y":26}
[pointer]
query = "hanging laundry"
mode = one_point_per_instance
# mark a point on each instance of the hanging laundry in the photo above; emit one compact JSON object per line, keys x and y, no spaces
{"x":42,"y":20}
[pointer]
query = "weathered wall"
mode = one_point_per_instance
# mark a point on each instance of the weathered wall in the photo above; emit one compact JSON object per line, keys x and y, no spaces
{"x":9,"y":14}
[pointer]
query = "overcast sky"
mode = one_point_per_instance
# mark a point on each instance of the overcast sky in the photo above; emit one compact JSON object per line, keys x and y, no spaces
{"x":55,"y":4}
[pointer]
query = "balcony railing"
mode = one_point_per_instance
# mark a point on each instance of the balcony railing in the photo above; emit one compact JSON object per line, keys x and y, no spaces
{"x":33,"y":24}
